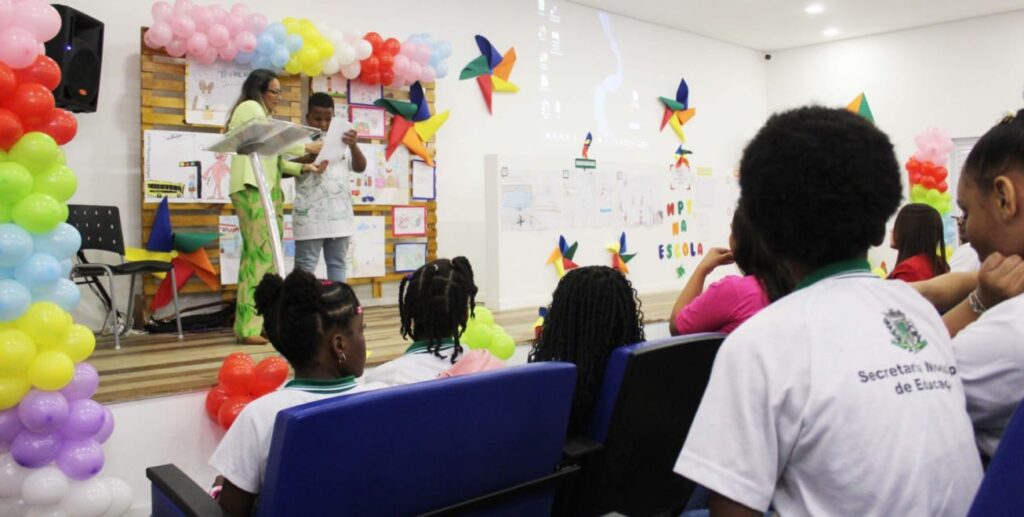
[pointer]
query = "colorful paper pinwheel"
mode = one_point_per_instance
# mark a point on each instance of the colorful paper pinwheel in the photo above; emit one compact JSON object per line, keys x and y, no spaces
{"x":678,"y":110}
{"x":861,"y":107}
{"x":184,"y":251}
{"x":681,"y":157}
{"x":491,"y":70}
{"x":538,"y":326}
{"x":562,"y":256}
{"x":619,"y":256}
{"x":412,"y":123}
{"x":586,"y":144}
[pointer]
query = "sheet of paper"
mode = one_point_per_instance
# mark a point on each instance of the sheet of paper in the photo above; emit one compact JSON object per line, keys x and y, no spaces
{"x":424,"y":183}
{"x":334,"y":148}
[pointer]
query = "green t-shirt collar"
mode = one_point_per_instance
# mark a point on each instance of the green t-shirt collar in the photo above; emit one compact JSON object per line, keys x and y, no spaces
{"x":833,"y":269}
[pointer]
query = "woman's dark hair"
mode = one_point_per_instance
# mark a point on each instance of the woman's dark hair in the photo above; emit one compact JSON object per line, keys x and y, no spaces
{"x":918,"y":231}
{"x":753,"y":258}
{"x":594,"y":310}
{"x":819,"y":184}
{"x":255,"y":86}
{"x":435,"y":303}
{"x":998,"y":151}
{"x":300,"y":310}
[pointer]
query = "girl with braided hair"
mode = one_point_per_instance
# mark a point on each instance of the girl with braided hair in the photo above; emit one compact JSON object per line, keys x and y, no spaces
{"x":435,"y":304}
{"x":318,"y":327}
{"x":594,"y":310}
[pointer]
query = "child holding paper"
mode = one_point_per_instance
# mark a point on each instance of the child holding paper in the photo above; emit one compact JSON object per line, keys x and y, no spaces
{"x":323,"y":218}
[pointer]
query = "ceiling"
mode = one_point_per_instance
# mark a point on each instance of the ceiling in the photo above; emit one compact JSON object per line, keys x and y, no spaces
{"x":781,"y":24}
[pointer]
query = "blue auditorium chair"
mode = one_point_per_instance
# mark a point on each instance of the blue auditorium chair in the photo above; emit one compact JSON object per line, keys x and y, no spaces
{"x":649,"y":396}
{"x":1002,"y":490}
{"x":482,"y":444}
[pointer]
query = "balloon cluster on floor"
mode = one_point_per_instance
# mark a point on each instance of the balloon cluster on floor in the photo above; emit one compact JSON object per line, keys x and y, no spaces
{"x":483,"y":334}
{"x":928,"y":177}
{"x":210,"y":33}
{"x":241,"y":381}
{"x":50,"y":430}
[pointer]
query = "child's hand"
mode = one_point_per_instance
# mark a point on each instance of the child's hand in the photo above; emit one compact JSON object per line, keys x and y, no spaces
{"x":349,"y":138}
{"x":1000,"y":278}
{"x":715,"y":257}
{"x":314,"y":147}
{"x":316,"y":169}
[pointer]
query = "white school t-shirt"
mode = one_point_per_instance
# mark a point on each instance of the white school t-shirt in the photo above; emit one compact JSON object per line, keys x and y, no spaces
{"x":242,"y":455}
{"x":990,"y":354}
{"x":964,"y":260}
{"x":323,"y":203}
{"x":416,"y":365}
{"x":808,"y":407}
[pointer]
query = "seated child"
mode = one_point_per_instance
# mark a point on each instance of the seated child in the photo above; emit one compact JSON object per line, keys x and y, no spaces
{"x":842,"y":398}
{"x":318,"y":327}
{"x":435,"y":303}
{"x":594,"y":310}
{"x":918,"y":238}
{"x":732,"y":300}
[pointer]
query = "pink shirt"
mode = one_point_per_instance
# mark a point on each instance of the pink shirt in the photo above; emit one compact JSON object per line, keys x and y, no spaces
{"x":723,"y":306}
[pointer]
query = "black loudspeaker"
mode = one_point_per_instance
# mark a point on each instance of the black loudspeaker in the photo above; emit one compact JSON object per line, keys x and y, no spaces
{"x":78,"y":51}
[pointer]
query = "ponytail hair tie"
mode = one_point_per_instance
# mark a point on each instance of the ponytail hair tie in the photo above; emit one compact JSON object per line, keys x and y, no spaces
{"x":359,"y":309}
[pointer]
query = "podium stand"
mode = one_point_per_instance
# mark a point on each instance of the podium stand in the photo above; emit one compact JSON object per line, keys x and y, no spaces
{"x":267,"y":137}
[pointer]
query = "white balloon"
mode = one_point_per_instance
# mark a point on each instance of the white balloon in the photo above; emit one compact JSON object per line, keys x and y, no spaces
{"x":120,"y":497}
{"x":351,"y":71}
{"x":46,"y":511}
{"x":352,"y":36}
{"x":12,"y":476}
{"x":344,"y":53}
{"x":90,"y":498}
{"x":12,"y":507}
{"x":363,"y":49}
{"x":47,"y":486}
{"x":331,"y":66}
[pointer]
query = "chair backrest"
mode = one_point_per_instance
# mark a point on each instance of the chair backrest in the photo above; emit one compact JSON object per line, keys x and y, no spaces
{"x":1001,"y":491}
{"x":649,"y":397}
{"x":100,"y":227}
{"x":416,"y":448}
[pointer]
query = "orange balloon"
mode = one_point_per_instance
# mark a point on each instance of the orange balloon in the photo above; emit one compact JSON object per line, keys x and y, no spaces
{"x":230,"y":409}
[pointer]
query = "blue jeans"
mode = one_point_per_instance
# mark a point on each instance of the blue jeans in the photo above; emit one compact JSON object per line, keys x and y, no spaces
{"x":307,"y":255}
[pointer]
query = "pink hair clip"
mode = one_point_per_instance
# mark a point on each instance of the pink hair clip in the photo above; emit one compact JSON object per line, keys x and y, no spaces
{"x":325,"y":282}
{"x":359,"y":309}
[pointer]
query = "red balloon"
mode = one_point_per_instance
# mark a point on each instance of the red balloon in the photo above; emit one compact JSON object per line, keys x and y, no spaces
{"x":391,"y":47}
{"x":375,"y":40}
{"x":387,"y":77}
{"x":941,"y":174}
{"x":386,"y":61}
{"x":270,"y":374}
{"x":928,"y":182}
{"x":915,"y":178}
{"x":370,"y":65}
{"x":43,"y":71}
{"x":31,"y":102}
{"x":10,"y":129}
{"x":62,"y":126}
{"x":373,"y":78}
{"x":236,"y":377}
{"x":942,"y":187}
{"x":913,"y":165}
{"x":239,"y":356}
{"x":230,"y":409}
{"x":8,"y":81}
{"x":214,"y":400}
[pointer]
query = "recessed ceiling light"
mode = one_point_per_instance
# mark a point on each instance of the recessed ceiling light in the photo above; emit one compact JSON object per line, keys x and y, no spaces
{"x":830,"y":32}
{"x":814,"y":8}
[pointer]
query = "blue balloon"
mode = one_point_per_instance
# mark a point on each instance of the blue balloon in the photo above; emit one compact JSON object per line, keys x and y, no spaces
{"x":6,"y":273}
{"x":39,"y":271}
{"x":277,"y":31}
{"x":65,"y":268}
{"x":293,"y":43}
{"x":243,"y":58}
{"x":63,"y":292}
{"x":15,"y":245}
{"x":265,"y":44}
{"x":262,"y":61}
{"x":280,"y":56}
{"x":63,"y":242}
{"x":441,"y":70}
{"x":444,"y":49}
{"x":435,"y":60}
{"x":14,"y":300}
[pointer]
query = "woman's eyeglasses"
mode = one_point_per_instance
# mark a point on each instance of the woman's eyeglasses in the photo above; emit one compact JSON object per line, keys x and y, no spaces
{"x":274,"y":92}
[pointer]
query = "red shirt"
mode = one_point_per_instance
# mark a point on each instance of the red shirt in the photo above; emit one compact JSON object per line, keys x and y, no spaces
{"x":914,"y":269}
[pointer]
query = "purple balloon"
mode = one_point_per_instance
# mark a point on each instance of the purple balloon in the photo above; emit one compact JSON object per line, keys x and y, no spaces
{"x":107,"y":429}
{"x":10,"y":426}
{"x":34,"y":450}
{"x":43,"y":411}
{"x":83,"y":385}
{"x":85,"y":419}
{"x":81,"y":459}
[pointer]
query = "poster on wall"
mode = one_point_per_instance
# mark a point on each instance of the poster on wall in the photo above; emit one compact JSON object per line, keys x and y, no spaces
{"x":211,"y":91}
{"x":366,"y":254}
{"x":530,"y":200}
{"x":175,"y":166}
{"x":385,"y":182}
{"x":410,"y":256}
{"x":334,"y":85}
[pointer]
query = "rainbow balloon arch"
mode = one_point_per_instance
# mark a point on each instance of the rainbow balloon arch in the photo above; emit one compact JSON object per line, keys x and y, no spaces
{"x":51,"y":431}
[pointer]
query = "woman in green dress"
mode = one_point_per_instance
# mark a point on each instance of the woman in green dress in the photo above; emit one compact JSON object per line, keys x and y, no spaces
{"x":260,"y":95}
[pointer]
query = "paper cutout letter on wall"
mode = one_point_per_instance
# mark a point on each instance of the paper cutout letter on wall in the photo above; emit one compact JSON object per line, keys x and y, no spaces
{"x":412,"y":124}
{"x":678,"y":111}
{"x":491,"y":70}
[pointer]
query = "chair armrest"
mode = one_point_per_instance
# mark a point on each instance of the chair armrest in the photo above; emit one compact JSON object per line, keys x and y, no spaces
{"x":185,"y":495}
{"x":578,"y":448}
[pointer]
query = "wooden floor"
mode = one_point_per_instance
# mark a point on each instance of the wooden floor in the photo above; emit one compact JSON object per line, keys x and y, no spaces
{"x":155,"y":365}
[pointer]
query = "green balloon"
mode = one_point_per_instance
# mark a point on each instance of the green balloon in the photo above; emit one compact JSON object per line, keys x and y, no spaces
{"x":57,"y":181}
{"x":475,"y":335}
{"x":5,"y":214}
{"x":36,"y":151}
{"x":917,"y":192}
{"x":933,"y":196}
{"x":15,"y":182}
{"x":503,"y":346}
{"x":3,"y":156}
{"x":64,"y":212}
{"x":38,"y":213}
{"x":61,"y":159}
{"x":483,"y":315}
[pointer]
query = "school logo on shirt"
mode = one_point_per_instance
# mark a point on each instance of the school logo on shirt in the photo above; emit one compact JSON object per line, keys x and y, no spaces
{"x":904,"y":333}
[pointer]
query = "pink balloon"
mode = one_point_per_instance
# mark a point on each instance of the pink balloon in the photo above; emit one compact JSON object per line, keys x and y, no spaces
{"x":161,"y":11}
{"x":255,"y":23}
{"x":160,"y":34}
{"x":218,"y":36}
{"x":423,"y":54}
{"x":202,"y":17}
{"x":147,"y":39}
{"x":209,"y":57}
{"x":182,"y":7}
{"x":401,"y":65}
{"x":177,"y":48}
{"x":234,"y":24}
{"x":415,"y":69}
{"x":38,"y":17}
{"x":18,"y":47}
{"x":228,"y":52}
{"x":182,"y":25}
{"x":197,"y":44}
{"x":245,"y":42}
{"x":408,"y":49}
{"x":218,"y":13}
{"x":240,"y":9}
{"x":428,"y":75}
{"x":6,"y":14}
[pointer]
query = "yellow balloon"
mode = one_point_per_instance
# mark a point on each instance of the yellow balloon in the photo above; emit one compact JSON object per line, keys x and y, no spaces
{"x":313,"y":70}
{"x":51,"y":371}
{"x":78,"y":344}
{"x":325,"y":48}
{"x":291,"y":25}
{"x":294,"y":66}
{"x":309,"y":56}
{"x":17,"y":351}
{"x":8,"y":325}
{"x":306,"y":24}
{"x":12,"y":390}
{"x":45,"y":323}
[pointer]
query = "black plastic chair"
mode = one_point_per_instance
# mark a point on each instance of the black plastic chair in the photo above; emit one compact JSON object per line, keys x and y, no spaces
{"x":100,"y":227}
